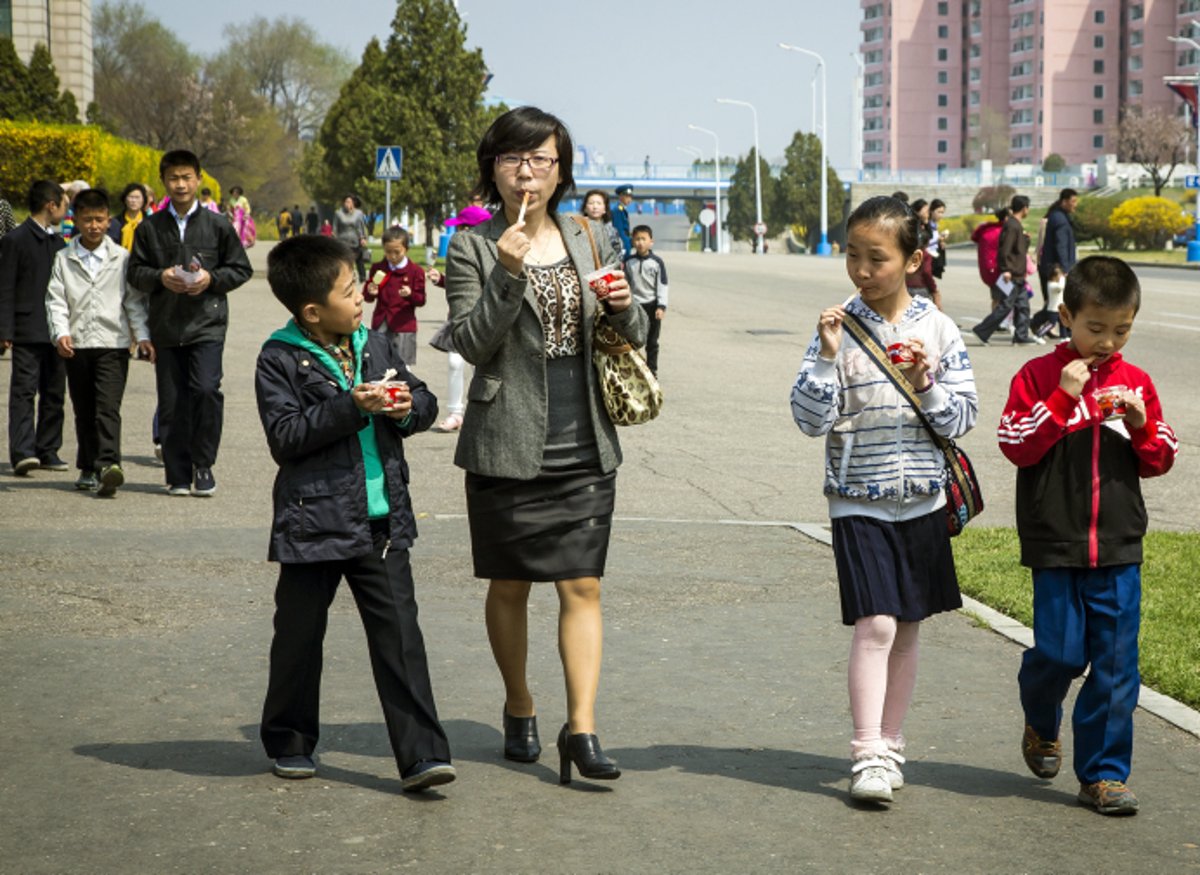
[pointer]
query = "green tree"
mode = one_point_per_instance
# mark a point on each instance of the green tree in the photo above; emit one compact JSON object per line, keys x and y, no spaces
{"x":425,"y":93}
{"x":742,"y":206}
{"x":1054,"y":163}
{"x":288,"y":66}
{"x":14,"y":83}
{"x":798,"y":194}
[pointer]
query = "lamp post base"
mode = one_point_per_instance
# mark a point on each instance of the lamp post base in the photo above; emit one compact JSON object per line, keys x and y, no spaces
{"x":1193,"y":251}
{"x":823,"y":248}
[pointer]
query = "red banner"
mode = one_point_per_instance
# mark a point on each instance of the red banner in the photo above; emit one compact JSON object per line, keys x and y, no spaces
{"x":1188,"y":91}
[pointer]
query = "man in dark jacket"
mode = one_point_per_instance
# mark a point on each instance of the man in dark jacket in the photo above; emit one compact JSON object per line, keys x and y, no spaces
{"x":1012,"y":261}
{"x":187,"y":259}
{"x":26,"y":256}
{"x":1057,"y":254}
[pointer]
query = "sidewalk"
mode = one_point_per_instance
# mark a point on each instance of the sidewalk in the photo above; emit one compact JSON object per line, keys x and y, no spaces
{"x":134,"y":636}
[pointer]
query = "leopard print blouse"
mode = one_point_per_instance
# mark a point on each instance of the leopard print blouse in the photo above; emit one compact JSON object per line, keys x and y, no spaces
{"x":560,"y":305}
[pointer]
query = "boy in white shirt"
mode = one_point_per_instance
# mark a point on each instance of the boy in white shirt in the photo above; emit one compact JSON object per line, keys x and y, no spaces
{"x":92,"y":314}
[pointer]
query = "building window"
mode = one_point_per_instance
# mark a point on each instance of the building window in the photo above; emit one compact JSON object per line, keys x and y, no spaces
{"x":1098,"y":92}
{"x":1022,"y":117}
{"x":1135,"y":62}
{"x":943,"y":100}
{"x":943,"y":31}
{"x":1022,"y":69}
{"x":977,"y":27}
{"x":873,"y":145}
{"x":874,"y":101}
{"x":872,"y":79}
{"x":974,"y":99}
{"x":1098,"y":65}
{"x":1098,"y":116}
{"x":943,"y":55}
{"x":943,"y":77}
{"x":974,"y":74}
{"x":1098,"y":41}
{"x":1022,"y":141}
{"x":873,"y":11}
{"x":875,"y":56}
{"x":975,"y":51}
{"x":1024,"y":44}
{"x":1023,"y":92}
{"x":943,"y":8}
{"x":1188,"y":58}
{"x":1189,"y":6}
{"x":1135,"y":87}
{"x":1136,"y":37}
{"x":1099,"y":16}
{"x":973,"y":120}
{"x":1098,"y":141}
{"x":872,"y":34}
{"x":1136,"y":11}
{"x":943,"y":123}
{"x":943,"y":147}
{"x":873,"y":124}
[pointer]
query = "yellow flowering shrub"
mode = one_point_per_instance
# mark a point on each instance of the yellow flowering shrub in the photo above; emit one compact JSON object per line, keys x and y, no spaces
{"x":1149,"y":221}
{"x":31,"y":151}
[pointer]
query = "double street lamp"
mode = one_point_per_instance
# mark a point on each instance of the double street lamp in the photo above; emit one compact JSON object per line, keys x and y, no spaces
{"x":759,"y":227}
{"x":717,"y":186}
{"x":823,"y":248}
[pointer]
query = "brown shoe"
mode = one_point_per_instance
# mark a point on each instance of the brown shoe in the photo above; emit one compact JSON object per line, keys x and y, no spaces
{"x":1108,"y":797}
{"x":1043,"y":757}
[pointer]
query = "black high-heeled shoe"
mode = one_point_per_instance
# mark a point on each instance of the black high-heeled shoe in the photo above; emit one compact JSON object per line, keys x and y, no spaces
{"x":583,"y":749}
{"x":521,"y":743}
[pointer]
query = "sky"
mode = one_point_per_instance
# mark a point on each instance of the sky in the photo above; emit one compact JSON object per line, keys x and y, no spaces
{"x":627,"y":76}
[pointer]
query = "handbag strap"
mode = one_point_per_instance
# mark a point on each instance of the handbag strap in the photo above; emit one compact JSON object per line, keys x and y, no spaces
{"x":877,"y":354}
{"x":587,"y":227}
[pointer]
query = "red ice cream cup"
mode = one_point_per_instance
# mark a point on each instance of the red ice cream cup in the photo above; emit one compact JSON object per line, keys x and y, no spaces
{"x":1111,"y":402}
{"x":394,"y":388}
{"x":599,"y":280}
{"x":901,"y":355}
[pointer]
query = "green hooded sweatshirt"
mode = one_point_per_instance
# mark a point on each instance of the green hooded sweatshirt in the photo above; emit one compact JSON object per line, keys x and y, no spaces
{"x":377,"y":493}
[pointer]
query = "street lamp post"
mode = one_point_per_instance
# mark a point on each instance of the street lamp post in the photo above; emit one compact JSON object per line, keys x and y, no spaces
{"x":758,"y":218}
{"x":1193,"y":247}
{"x":823,"y":248}
{"x":717,"y":186}
{"x":698,"y":156}
{"x":856,"y":132}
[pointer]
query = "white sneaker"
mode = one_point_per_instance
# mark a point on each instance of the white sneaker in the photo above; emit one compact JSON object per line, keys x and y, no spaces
{"x":869,"y":780}
{"x":893,"y":760}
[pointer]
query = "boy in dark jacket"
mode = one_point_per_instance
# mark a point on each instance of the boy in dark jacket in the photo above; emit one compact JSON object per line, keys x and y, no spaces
{"x":1083,"y":425}
{"x":26,"y":257}
{"x":187,"y":259}
{"x":342,"y":509}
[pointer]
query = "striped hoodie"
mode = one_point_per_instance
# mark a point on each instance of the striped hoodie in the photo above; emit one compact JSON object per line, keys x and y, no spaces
{"x":1079,"y":495}
{"x":879,"y":460}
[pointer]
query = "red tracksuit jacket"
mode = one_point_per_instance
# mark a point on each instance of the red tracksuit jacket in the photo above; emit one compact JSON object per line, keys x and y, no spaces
{"x":1079,"y":496}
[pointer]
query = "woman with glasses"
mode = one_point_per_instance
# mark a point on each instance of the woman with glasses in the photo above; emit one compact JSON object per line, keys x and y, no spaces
{"x":538,"y":447}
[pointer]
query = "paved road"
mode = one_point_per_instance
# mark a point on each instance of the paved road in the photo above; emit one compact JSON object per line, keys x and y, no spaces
{"x":134,"y":635}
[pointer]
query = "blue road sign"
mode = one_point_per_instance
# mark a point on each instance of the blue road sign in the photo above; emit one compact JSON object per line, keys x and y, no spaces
{"x":1192,"y":180}
{"x":388,"y":161}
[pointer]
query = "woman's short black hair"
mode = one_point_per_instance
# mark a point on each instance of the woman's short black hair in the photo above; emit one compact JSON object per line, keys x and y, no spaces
{"x":935,"y":203}
{"x":134,"y":186}
{"x":891,"y":211}
{"x":520,"y":130}
{"x":607,"y":217}
{"x":302,"y":270}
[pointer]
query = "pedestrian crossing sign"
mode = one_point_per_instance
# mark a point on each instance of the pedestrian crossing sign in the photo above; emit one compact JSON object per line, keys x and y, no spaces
{"x":388,"y":162}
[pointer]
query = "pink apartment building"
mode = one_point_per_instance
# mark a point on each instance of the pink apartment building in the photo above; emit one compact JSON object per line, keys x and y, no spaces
{"x":948,"y":82}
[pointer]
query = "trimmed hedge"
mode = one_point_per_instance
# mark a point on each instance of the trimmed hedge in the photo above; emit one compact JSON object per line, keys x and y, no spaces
{"x":30,"y":151}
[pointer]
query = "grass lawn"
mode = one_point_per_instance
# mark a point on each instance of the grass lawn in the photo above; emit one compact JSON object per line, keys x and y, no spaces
{"x":989,"y":570}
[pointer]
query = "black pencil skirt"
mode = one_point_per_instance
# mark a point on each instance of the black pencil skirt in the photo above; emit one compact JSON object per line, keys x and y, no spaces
{"x":554,"y":527}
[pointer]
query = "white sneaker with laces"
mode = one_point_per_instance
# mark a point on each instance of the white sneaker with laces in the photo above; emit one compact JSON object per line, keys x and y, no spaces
{"x":869,"y":780}
{"x":893,"y":760}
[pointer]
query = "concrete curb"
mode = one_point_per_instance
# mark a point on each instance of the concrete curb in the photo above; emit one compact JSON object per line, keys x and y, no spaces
{"x":1163,"y":707}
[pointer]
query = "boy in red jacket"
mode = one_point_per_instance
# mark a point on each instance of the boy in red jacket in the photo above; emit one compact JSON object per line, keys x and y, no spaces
{"x":1083,"y":426}
{"x":398,"y":288}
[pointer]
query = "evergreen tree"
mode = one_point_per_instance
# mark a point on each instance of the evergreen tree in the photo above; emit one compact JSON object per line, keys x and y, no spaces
{"x":424,"y":93}
{"x":742,"y":206}
{"x":44,"y":103}
{"x":14,"y":83}
{"x":798,"y":197}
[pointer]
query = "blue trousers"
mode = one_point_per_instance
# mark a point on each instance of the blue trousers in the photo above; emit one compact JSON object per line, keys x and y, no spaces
{"x":1086,"y":616}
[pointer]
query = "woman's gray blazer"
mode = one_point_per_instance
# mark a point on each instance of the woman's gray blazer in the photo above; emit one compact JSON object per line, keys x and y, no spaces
{"x":496,"y":327}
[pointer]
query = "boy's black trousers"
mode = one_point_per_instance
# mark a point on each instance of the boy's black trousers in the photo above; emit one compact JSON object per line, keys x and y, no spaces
{"x":37,"y":372}
{"x":191,"y":408}
{"x":383,"y":591}
{"x":96,"y":379}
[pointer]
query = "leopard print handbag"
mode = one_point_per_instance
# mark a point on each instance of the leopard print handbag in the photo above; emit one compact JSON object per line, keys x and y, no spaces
{"x":631,"y":392}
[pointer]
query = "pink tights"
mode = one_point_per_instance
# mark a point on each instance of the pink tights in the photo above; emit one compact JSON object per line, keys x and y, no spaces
{"x":883,"y":672}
